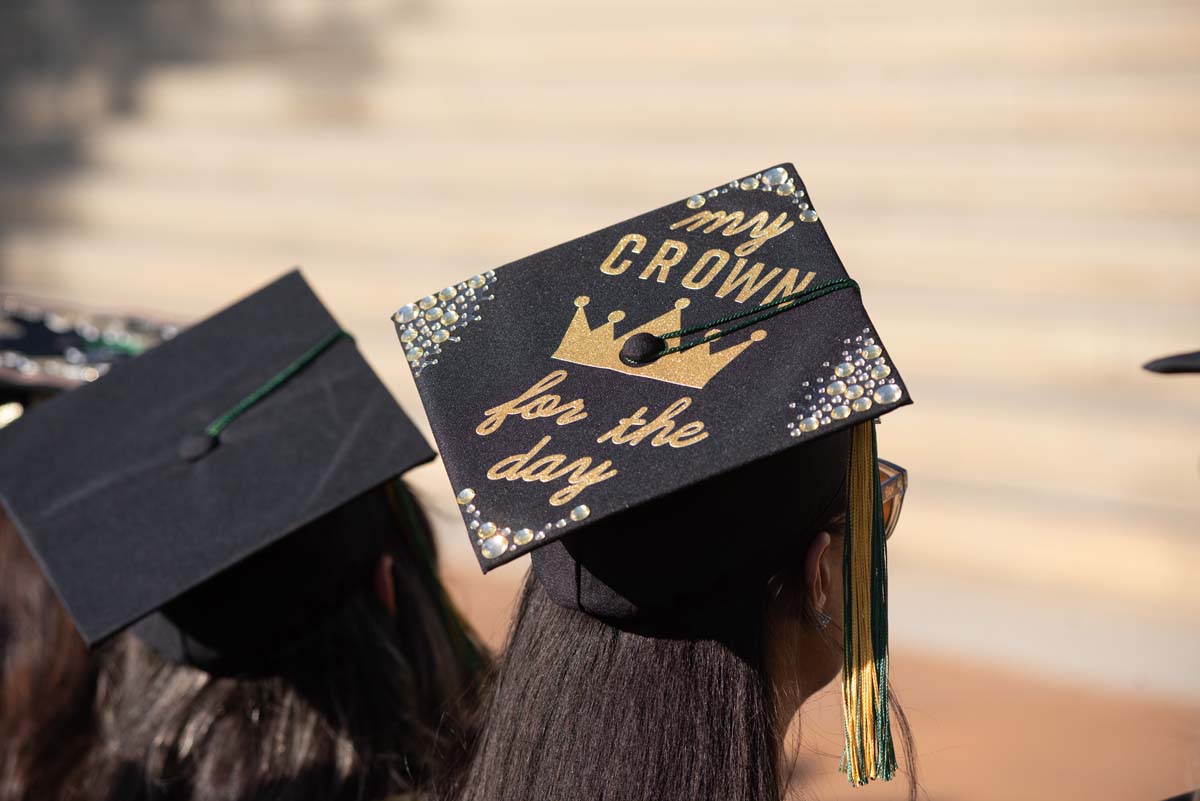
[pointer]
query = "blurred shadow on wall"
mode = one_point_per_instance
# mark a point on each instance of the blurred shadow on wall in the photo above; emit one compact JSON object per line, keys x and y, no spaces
{"x":66,"y":65}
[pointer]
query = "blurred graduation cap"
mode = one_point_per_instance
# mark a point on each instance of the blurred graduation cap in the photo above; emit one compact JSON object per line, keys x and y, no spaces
{"x":213,"y":467}
{"x":46,"y":347}
{"x":660,"y":410}
{"x":1180,"y":363}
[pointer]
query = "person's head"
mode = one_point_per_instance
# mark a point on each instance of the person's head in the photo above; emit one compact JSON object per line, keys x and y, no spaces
{"x":666,"y":425}
{"x":369,"y":692}
{"x":624,"y":678}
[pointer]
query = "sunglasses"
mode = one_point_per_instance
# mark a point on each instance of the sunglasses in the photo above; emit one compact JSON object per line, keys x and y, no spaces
{"x":893,"y":479}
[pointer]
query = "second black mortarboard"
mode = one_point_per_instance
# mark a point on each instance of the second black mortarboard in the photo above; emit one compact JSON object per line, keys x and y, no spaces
{"x":201,"y":454}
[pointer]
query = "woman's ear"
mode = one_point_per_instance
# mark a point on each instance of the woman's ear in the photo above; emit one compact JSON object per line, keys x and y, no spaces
{"x":817,"y":571}
{"x":385,"y":584}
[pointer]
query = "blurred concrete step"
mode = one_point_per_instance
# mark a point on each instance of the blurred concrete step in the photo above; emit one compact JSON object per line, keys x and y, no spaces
{"x":1068,"y":542}
{"x":1047,"y":42}
{"x":1113,"y":181}
{"x":549,"y":13}
{"x":1001,"y":109}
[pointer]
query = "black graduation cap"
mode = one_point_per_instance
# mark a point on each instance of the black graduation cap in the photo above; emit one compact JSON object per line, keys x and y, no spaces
{"x":546,"y":431}
{"x":1179,"y":363}
{"x":201,"y":455}
{"x":653,"y":408}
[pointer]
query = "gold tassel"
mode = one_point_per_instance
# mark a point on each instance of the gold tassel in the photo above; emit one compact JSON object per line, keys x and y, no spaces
{"x":869,"y":752}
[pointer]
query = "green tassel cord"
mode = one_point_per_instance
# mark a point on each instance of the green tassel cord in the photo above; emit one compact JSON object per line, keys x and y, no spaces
{"x":869,"y":753}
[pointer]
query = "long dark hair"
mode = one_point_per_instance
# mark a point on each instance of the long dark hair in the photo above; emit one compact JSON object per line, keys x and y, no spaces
{"x":580,"y":710}
{"x":47,"y":679}
{"x":365,"y":705}
{"x":583,"y":710}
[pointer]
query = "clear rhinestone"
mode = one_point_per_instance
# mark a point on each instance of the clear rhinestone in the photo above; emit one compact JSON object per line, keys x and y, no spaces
{"x":880,"y":371}
{"x":450,"y":317}
{"x":861,"y":405}
{"x":494,"y":546}
{"x":447,"y":293}
{"x":808,"y":216}
{"x":487,"y":529}
{"x":775,"y":176}
{"x":466,"y":496}
{"x":407,"y":313}
{"x":749,"y":183}
{"x":408,"y":335}
{"x":840,"y":412}
{"x":414,"y":354}
{"x":695,"y":201}
{"x":853,"y":392}
{"x":888,"y":393}
{"x":872,"y":352}
{"x":523,"y":536}
{"x":836,"y":388}
{"x":427,"y":302}
{"x":844,"y":369}
{"x":809,"y":424}
{"x":476,"y":281}
{"x":580,"y":513}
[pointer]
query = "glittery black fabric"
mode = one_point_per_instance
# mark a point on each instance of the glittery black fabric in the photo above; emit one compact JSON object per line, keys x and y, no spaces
{"x":607,"y":472}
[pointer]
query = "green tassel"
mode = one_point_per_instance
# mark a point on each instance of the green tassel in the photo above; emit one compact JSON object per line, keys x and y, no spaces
{"x":869,"y":753}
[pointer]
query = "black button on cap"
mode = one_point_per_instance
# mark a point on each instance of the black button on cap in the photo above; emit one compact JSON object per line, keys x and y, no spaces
{"x":642,"y":349}
{"x":196,"y":446}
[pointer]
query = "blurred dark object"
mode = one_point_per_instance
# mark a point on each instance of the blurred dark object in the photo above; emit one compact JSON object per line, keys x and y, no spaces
{"x":47,"y":347}
{"x":1180,"y":363}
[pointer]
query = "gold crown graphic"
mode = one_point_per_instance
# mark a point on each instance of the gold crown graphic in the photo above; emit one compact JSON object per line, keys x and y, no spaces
{"x":598,"y":348}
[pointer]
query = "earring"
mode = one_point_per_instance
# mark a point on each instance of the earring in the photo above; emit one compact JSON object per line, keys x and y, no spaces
{"x":822,"y":620}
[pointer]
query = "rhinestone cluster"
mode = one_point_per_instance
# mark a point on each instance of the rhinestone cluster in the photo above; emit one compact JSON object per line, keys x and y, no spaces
{"x":494,"y":540}
{"x":91,"y":341}
{"x":774,"y":180}
{"x":860,"y":380}
{"x":427,"y":324}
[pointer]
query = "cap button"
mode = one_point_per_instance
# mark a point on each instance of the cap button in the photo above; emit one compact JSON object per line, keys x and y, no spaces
{"x":641,"y":349}
{"x":194,"y":447}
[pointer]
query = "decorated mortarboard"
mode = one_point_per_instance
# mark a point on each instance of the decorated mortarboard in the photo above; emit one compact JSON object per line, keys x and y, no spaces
{"x":650,"y":409}
{"x":48,"y":347}
{"x":209,"y":452}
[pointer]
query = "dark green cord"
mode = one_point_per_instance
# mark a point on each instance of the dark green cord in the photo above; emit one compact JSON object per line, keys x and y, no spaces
{"x":764,"y":311}
{"x":215,"y":428}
